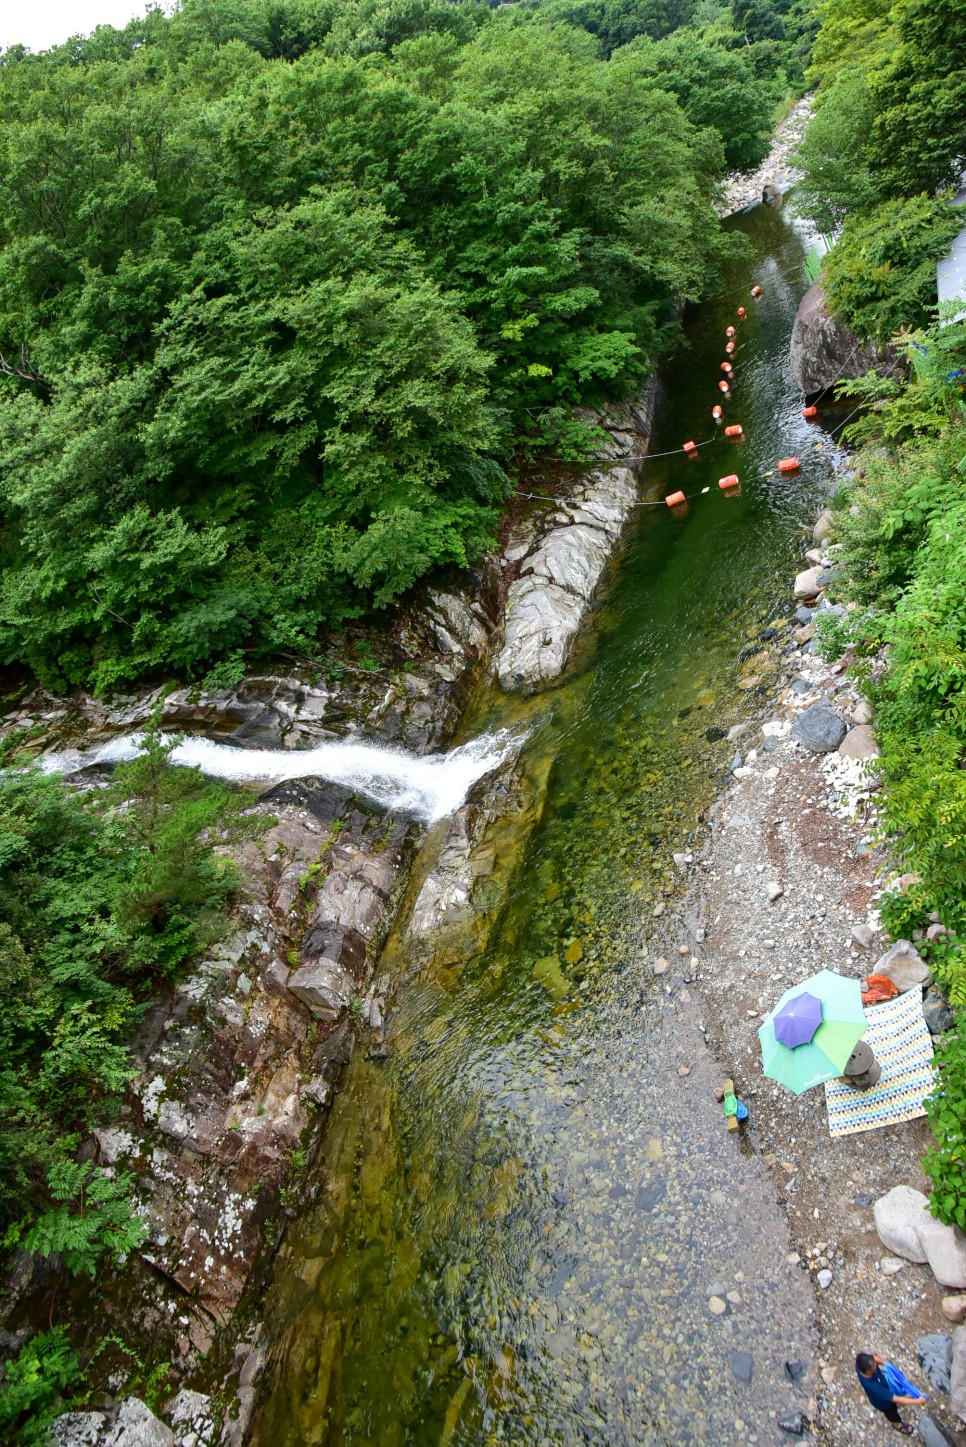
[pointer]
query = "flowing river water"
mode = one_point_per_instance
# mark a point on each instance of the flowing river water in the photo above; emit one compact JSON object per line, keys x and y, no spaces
{"x":523,"y":1212}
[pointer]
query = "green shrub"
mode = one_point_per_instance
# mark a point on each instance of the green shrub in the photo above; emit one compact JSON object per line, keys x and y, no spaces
{"x":34,"y":1385}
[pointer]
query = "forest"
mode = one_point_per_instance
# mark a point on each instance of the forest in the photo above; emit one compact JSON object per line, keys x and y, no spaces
{"x":290,"y":291}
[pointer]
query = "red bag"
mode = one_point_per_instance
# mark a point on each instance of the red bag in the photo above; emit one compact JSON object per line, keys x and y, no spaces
{"x":877,"y":988}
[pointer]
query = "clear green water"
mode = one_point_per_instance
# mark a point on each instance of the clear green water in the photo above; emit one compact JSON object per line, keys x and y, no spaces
{"x":523,"y":1211}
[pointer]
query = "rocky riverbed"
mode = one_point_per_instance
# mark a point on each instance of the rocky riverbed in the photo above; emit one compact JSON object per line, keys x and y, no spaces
{"x":776,"y":174}
{"x":788,"y":884}
{"x":236,"y":1065}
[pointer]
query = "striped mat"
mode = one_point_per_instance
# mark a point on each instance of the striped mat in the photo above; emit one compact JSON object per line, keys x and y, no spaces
{"x":903,"y":1047}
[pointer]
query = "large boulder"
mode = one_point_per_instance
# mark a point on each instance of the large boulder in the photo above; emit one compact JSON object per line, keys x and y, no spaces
{"x":900,"y":1216}
{"x":807,"y":583}
{"x":932,"y":1433}
{"x":137,"y":1426}
{"x":819,"y":728}
{"x":859,"y":743}
{"x":78,"y":1429}
{"x":935,"y":1355}
{"x":322,"y":986}
{"x":904,"y":966}
{"x":945,"y":1248}
{"x":823,"y":350}
{"x":957,"y":1374}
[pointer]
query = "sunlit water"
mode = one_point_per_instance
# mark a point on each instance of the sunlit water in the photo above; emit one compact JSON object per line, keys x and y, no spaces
{"x":522,"y":1213}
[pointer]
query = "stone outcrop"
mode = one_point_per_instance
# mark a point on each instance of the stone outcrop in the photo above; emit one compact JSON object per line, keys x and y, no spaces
{"x":135,"y":1426}
{"x":559,"y":565}
{"x":824,"y":351}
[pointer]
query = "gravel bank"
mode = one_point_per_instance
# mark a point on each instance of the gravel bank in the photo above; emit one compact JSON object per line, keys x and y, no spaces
{"x":801,"y":820}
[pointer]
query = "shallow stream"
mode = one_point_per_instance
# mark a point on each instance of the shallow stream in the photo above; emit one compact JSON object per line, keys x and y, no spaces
{"x":524,"y":1212}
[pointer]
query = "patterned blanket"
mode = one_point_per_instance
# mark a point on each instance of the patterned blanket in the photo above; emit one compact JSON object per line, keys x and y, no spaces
{"x":902,"y":1045}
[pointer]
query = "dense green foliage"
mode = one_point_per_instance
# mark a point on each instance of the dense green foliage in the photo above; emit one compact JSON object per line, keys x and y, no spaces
{"x":881,"y":276}
{"x":101,"y":895}
{"x":282,"y":287}
{"x":901,"y":526}
{"x":34,"y":1385}
{"x":889,"y":133}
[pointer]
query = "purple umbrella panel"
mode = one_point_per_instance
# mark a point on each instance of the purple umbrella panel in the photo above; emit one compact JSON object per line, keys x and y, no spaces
{"x":797,"y":1020}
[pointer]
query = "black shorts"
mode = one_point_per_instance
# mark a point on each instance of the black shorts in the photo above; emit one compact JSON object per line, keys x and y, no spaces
{"x":891,"y":1413}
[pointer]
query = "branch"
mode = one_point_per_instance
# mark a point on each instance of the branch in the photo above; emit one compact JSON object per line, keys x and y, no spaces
{"x":25,"y":370}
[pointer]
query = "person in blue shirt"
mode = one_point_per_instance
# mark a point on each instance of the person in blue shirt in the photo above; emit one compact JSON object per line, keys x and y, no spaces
{"x":871,"y":1371}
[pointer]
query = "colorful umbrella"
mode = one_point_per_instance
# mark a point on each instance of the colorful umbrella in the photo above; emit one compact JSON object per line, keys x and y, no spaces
{"x":822,"y":1055}
{"x":797,"y":1020}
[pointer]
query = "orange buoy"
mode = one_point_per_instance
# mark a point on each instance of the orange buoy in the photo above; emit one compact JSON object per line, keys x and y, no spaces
{"x":730,"y":481}
{"x":809,"y":413}
{"x":691,"y":448}
{"x":723,"y":387}
{"x":788,"y":464}
{"x":756,"y":291}
{"x":717,"y":413}
{"x":674,"y":498}
{"x":727,"y":368}
{"x":729,"y":333}
{"x":735,"y":431}
{"x":729,"y":349}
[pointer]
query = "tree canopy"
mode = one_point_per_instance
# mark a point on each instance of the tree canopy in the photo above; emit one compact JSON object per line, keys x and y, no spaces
{"x":284,"y":285}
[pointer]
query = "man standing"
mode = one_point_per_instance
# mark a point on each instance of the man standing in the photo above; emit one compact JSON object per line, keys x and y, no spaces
{"x":887,"y":1389}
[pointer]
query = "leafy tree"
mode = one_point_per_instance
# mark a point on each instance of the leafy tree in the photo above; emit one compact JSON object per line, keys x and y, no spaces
{"x":835,"y":154}
{"x":881,"y":275}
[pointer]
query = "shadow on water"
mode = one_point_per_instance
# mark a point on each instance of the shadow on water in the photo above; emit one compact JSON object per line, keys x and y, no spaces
{"x":524,"y":1211}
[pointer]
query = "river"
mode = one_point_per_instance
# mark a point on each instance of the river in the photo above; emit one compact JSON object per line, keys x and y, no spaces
{"x":523,"y":1213}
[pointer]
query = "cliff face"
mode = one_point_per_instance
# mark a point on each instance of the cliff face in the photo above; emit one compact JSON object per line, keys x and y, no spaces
{"x":824,"y":351}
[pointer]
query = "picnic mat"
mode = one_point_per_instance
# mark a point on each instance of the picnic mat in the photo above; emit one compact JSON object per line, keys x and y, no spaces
{"x":903,"y":1047}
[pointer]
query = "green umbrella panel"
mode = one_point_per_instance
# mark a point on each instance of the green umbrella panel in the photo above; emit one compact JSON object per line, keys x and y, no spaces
{"x":825,"y":1055}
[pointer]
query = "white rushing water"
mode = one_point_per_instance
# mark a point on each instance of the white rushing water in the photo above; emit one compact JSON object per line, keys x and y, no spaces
{"x":426,"y":787}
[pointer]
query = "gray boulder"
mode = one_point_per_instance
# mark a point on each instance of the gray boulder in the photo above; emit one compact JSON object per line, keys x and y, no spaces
{"x":937,"y":1013}
{"x":957,"y":1374}
{"x":77,"y":1429}
{"x":137,"y":1426}
{"x":945,"y":1248}
{"x":819,"y":728}
{"x":900,"y":1216}
{"x":823,"y":350}
{"x":904,"y":966}
{"x":933,"y":1433}
{"x":794,"y":1423}
{"x":935,"y":1354}
{"x":807,"y":582}
{"x":322,"y":986}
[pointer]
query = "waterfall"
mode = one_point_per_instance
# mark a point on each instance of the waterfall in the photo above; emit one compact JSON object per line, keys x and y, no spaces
{"x":425,"y":787}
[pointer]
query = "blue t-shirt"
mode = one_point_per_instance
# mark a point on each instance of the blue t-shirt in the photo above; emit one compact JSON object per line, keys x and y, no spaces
{"x":876,"y":1388}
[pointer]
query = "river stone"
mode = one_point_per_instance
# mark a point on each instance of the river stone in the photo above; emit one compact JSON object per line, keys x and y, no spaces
{"x":899,"y":1218}
{"x":793,"y":1422}
{"x":862,"y":713}
{"x":861,"y":936}
{"x":77,"y":1429}
{"x":742,"y":1364}
{"x":795,"y":1370}
{"x":903,"y":965}
{"x":322,"y":986}
{"x":823,"y":349}
{"x":716,"y":1306}
{"x":823,"y":525}
{"x":935,"y":1355}
{"x":937,"y":1013}
{"x":954,"y":1309}
{"x":137,"y":1426}
{"x":933,"y":1433}
{"x":804,"y":615}
{"x":807,"y":582}
{"x":859,"y":743}
{"x":957,"y":1374}
{"x":819,"y":728}
{"x":945,"y":1248}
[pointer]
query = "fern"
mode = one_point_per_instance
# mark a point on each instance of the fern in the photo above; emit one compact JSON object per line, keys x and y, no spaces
{"x":94,"y":1218}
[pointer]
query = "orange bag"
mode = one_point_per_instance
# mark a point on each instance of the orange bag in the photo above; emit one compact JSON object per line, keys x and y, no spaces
{"x":876,"y":988}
